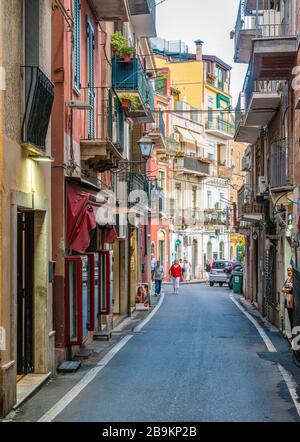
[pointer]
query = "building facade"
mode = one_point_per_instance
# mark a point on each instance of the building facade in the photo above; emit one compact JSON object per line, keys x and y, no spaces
{"x":26,"y":318}
{"x":202,"y":129}
{"x":98,"y":68}
{"x":267,"y":116}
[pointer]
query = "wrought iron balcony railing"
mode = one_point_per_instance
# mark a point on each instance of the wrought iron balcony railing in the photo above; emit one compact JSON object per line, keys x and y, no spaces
{"x":39,"y":97}
{"x":262,"y":87}
{"x":191,"y":164}
{"x":279,"y":164}
{"x":130,"y":78}
{"x":262,"y":21}
{"x":103,"y":121}
{"x":220,"y":124}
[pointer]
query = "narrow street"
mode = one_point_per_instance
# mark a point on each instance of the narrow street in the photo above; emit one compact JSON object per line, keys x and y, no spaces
{"x":198,"y":359}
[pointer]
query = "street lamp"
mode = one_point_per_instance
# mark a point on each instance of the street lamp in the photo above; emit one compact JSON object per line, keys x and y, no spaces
{"x":146,"y":146}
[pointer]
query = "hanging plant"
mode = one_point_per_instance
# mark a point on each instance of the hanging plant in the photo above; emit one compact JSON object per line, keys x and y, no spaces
{"x":129,"y":102}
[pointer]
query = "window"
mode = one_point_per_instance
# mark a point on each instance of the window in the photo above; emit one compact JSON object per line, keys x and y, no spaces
{"x":221,"y":75}
{"x":221,"y":200}
{"x":194,"y":201}
{"x":76,"y":43}
{"x":209,"y":199}
{"x":161,"y":180}
{"x":178,"y":196}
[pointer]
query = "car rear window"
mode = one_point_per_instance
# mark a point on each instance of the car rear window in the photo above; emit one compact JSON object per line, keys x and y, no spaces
{"x":221,"y":264}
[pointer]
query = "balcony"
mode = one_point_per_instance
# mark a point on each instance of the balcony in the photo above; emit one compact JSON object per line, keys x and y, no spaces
{"x":192,"y":166}
{"x":158,"y":135}
{"x":110,"y":10}
{"x":101,"y":138}
{"x":219,"y":127}
{"x":225,"y":172}
{"x":39,"y":97}
{"x":130,"y":78}
{"x":271,"y":43}
{"x":143,"y":17}
{"x":257,"y":106}
{"x":279,"y":166}
{"x":247,"y":209}
{"x":244,"y":33}
{"x":251,"y":5}
{"x":214,"y":217}
{"x":172,"y":146}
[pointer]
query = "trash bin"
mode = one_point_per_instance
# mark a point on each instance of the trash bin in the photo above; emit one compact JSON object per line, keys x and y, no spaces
{"x":238,"y":282}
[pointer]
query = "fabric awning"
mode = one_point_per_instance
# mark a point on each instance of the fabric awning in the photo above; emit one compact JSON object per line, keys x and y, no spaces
{"x":186,"y":134}
{"x":200,"y":140}
{"x":86,"y":209}
{"x":80,"y":219}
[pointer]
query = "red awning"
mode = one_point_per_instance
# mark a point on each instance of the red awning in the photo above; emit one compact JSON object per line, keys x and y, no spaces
{"x":80,"y":218}
{"x":110,"y":235}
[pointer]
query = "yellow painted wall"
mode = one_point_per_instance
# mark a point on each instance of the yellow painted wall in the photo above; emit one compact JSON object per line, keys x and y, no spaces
{"x":187,"y":76}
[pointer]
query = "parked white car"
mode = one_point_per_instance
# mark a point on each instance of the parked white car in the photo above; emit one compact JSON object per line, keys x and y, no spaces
{"x":217,"y":272}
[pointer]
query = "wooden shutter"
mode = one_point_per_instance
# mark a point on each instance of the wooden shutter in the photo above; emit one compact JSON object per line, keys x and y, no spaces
{"x":77,"y":12}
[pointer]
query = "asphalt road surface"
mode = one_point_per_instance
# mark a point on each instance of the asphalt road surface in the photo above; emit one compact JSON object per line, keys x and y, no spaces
{"x":198,"y":359}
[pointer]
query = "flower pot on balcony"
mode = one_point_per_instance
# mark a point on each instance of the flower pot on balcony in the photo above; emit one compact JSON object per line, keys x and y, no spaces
{"x":126,"y":57}
{"x":204,"y":160}
{"x":126,"y":104}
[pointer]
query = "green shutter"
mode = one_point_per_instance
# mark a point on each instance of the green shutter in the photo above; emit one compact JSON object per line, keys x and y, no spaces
{"x":91,"y":78}
{"x":76,"y":36}
{"x":120,"y":126}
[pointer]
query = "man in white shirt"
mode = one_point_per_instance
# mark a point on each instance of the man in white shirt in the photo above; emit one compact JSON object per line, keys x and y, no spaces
{"x":153,"y":265}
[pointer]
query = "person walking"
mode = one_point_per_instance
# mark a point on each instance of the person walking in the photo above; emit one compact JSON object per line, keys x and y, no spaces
{"x":158,"y":277}
{"x":176,"y":273}
{"x":187,"y":266}
{"x":287,"y":289}
{"x":153,"y":265}
{"x":207,"y":269}
{"x":181,"y":263}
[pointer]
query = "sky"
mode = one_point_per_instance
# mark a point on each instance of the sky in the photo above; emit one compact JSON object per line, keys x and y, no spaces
{"x":208,"y":20}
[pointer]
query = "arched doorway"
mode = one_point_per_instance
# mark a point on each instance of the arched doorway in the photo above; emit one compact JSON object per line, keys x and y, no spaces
{"x":195,"y":259}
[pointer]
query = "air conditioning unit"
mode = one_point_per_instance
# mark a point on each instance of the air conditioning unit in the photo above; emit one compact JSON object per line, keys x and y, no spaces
{"x":262,"y":185}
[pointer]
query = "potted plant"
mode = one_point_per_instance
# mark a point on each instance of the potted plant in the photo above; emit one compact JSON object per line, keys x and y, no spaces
{"x":160,"y":81}
{"x":127,"y":51}
{"x":117,"y":42}
{"x":129,"y":102}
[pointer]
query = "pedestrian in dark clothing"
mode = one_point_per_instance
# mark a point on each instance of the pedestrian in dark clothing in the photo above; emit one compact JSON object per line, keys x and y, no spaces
{"x":158,"y":277}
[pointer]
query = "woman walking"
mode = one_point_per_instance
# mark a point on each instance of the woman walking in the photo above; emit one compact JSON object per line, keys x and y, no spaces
{"x":287,"y":289}
{"x":176,"y":273}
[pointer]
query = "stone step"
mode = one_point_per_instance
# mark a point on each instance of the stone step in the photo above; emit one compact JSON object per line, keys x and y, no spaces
{"x":103,"y":335}
{"x":69,"y":367}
